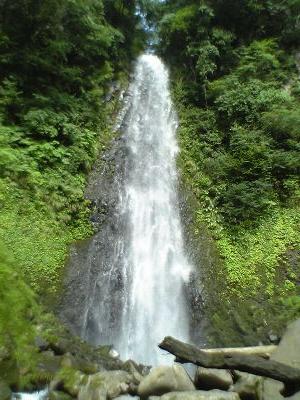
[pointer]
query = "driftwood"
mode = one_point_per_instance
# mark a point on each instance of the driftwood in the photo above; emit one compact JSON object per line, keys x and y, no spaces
{"x":253,"y":364}
{"x":261,"y":351}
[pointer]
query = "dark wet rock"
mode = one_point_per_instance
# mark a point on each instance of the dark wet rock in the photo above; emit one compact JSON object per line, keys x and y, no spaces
{"x":210,"y":378}
{"x":198,"y":395}
{"x":165,"y":379}
{"x":200,"y":252}
{"x":90,"y":263}
{"x":5,"y":392}
{"x":41,"y":343}
{"x":247,"y":386}
{"x":75,"y":351}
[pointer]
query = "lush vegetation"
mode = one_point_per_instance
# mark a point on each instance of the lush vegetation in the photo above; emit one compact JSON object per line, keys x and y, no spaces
{"x":58,"y":64}
{"x":237,"y":91}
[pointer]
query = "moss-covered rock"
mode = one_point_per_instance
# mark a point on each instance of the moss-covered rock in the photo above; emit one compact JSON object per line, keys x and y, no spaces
{"x":108,"y":384}
{"x":58,"y":395}
{"x":5,"y":392}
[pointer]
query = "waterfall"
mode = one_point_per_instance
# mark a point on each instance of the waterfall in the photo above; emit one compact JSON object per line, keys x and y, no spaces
{"x":130,"y":277}
{"x":154,"y":266}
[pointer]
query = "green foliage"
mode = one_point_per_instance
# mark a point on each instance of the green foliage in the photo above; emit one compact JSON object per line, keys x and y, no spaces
{"x":248,"y":154}
{"x":252,"y":255}
{"x":244,"y":102}
{"x":292,"y":305}
{"x":38,"y":236}
{"x":236,"y":88}
{"x":58,"y":60}
{"x":17,"y":309}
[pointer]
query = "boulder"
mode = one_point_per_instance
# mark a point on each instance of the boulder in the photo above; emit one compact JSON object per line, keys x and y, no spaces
{"x":247,"y":386}
{"x":198,"y":395}
{"x":57,"y":395}
{"x":41,"y":343}
{"x":105,"y":385}
{"x":210,"y":378}
{"x":5,"y":392}
{"x":165,"y":379}
{"x":49,"y":363}
{"x":131,"y":367}
{"x":69,"y":381}
{"x":288,"y":353}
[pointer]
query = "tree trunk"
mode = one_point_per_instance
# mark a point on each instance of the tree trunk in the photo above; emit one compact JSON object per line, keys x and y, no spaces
{"x":261,"y":351}
{"x":253,"y":364}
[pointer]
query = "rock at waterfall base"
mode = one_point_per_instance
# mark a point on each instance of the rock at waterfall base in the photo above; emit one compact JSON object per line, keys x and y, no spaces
{"x":198,"y":395}
{"x":57,"y":395}
{"x":288,"y":352}
{"x":108,"y":384}
{"x":210,"y":378}
{"x":248,"y":386}
{"x":165,"y":379}
{"x":132,"y":368}
{"x":5,"y":392}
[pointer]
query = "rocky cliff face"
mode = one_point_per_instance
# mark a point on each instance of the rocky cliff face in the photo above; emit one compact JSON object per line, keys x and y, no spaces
{"x":92,"y":259}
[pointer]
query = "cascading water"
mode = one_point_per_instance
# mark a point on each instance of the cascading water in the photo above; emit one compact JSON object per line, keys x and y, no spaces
{"x":154,"y":265}
{"x":129,"y":279}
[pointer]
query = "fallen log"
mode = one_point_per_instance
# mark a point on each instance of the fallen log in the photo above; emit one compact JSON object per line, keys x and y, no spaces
{"x":261,"y":351}
{"x":253,"y":364}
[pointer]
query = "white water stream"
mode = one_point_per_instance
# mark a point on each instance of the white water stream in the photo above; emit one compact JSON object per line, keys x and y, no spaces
{"x":154,"y":265}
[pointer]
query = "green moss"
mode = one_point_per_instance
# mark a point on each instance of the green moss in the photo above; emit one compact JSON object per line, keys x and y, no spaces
{"x":72,"y":380}
{"x":37,"y":237}
{"x":251,"y":256}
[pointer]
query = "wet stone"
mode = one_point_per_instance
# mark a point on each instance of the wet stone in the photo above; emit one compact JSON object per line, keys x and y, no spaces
{"x":198,"y":395}
{"x":165,"y":379}
{"x":210,"y":378}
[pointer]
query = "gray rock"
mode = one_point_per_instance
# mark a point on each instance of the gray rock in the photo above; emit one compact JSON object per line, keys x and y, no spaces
{"x":5,"y":392}
{"x":108,"y":384}
{"x":210,"y":378}
{"x":131,"y":367}
{"x":288,"y":352}
{"x":165,"y":379}
{"x":198,"y":395}
{"x":41,"y":343}
{"x":90,"y":260}
{"x":248,"y":386}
